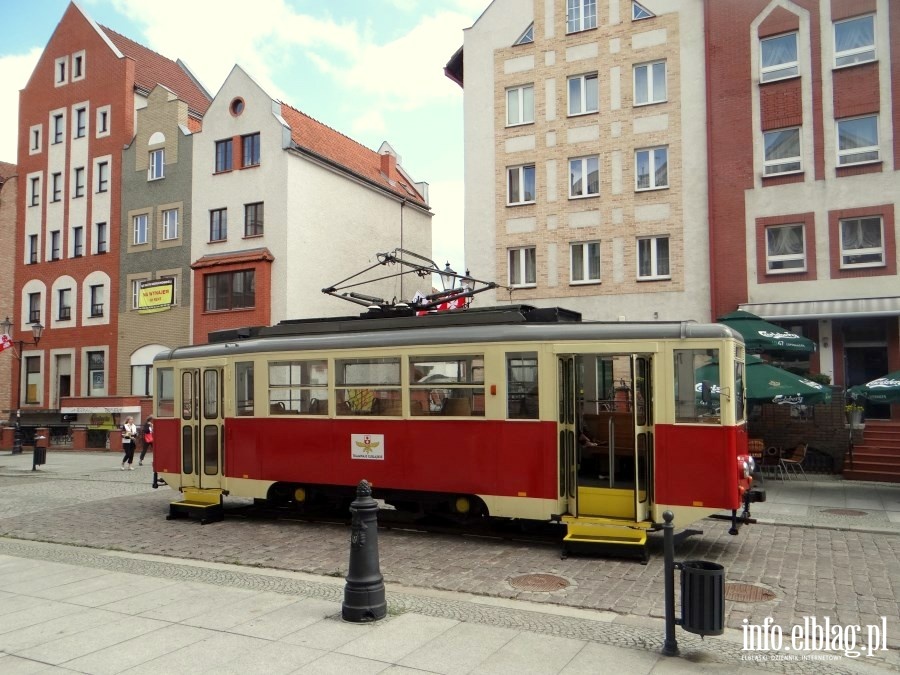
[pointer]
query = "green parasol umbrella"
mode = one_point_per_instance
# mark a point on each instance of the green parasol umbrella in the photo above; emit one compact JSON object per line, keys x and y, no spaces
{"x":885,"y":389}
{"x":766,"y":383}
{"x":761,"y":336}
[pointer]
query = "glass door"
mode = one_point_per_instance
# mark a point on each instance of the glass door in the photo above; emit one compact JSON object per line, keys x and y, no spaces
{"x":202,"y":422}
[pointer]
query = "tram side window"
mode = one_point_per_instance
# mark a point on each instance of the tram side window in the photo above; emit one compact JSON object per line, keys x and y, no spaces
{"x":446,"y":385}
{"x":697,"y":386}
{"x":298,"y":387}
{"x":368,"y":386}
{"x":243,"y":388}
{"x":165,"y":396}
{"x":522,"y":386}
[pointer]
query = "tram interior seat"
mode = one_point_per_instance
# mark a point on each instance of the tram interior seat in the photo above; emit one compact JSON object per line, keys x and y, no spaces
{"x":459,"y":407}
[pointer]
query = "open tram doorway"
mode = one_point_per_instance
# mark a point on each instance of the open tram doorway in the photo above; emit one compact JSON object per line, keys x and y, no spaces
{"x":606,"y":434}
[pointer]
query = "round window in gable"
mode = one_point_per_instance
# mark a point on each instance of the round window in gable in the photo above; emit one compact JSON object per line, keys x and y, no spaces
{"x":237,"y":106}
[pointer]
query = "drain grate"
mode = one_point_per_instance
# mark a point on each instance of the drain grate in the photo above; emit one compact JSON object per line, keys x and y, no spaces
{"x":845,"y":512}
{"x":538,"y":582}
{"x":747,"y":593}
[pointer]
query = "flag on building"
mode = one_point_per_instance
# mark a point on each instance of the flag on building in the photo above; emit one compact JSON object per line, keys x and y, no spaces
{"x":5,"y":342}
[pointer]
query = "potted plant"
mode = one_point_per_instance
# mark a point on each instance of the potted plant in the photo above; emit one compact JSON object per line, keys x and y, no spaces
{"x":854,"y":415}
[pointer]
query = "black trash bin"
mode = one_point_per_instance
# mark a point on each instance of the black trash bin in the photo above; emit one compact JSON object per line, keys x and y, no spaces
{"x":702,"y":597}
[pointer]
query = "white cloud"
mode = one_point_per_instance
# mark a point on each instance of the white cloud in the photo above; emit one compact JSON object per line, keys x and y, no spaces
{"x":371,"y":121}
{"x":447,"y":225}
{"x":16,"y":69}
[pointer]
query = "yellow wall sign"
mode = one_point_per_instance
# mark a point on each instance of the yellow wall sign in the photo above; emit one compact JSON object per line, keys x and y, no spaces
{"x":156,"y":296}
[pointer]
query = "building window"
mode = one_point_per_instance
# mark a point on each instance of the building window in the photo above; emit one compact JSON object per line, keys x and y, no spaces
{"x":580,"y":15}
{"x":101,"y":238}
{"x":778,"y":58}
{"x":78,"y":66}
{"x":527,"y":37}
{"x":520,"y":105}
{"x":584,"y":176}
{"x":250,"y":149}
{"x":96,"y":384}
{"x":136,"y":292}
{"x":523,"y":266}
{"x":858,"y":140}
{"x":854,"y":41}
{"x":520,"y":185}
{"x":170,"y":224}
{"x":35,"y":191}
{"x":140,"y":229}
{"x":32,"y":379}
{"x":862,"y":242}
{"x":54,"y":245}
{"x":78,"y":188}
{"x":230,"y":290}
{"x":77,"y":242}
{"x":650,"y":83}
{"x":584,"y":96}
{"x":65,"y":304}
{"x":102,"y":176}
{"x":80,"y":122}
{"x":34,"y":308}
{"x":223,"y":155}
{"x":102,"y":121}
{"x":57,"y":187}
{"x":585,"y":259}
{"x":782,"y":151}
{"x":141,"y":379}
{"x":97,"y":300}
{"x":36,"y":139}
{"x":653,"y":258}
{"x":785,"y":249}
{"x":60,"y":70}
{"x":57,"y":129}
{"x":651,"y":168}
{"x":638,"y":12}
{"x":32,"y":249}
{"x":253,"y":219}
{"x":218,"y":225}
{"x":157,"y":161}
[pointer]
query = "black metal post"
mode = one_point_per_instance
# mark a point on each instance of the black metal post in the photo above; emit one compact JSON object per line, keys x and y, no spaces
{"x":17,"y":436}
{"x":364,"y":591}
{"x":670,"y":645}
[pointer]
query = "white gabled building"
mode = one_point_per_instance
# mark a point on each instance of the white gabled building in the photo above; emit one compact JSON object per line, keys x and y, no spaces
{"x":284,"y":206}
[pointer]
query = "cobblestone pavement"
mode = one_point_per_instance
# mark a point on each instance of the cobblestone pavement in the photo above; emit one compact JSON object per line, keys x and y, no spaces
{"x":851,"y":576}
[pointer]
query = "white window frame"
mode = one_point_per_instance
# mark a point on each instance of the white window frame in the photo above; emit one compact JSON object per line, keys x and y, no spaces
{"x":61,"y":71}
{"x":857,"y":54}
{"x":140,"y":229}
{"x":639,"y":12}
{"x":79,"y":129}
{"x":773,"y":258}
{"x":524,"y":255}
{"x":103,"y":121}
{"x":845,"y":253}
{"x":170,"y":229}
{"x":779,"y":71}
{"x":527,"y":37}
{"x":76,"y":58}
{"x":97,"y":240}
{"x":36,"y":136}
{"x":55,"y":245}
{"x":519,"y":174}
{"x":582,"y":101}
{"x":590,"y":250}
{"x":842,"y":155}
{"x":78,"y":174}
{"x":59,"y":124}
{"x":526,"y":116}
{"x":136,"y":292}
{"x":584,"y":20}
{"x":56,"y":186}
{"x":651,"y":80}
{"x":583,"y":164}
{"x":157,"y":163}
{"x":102,"y":173}
{"x":654,"y":258}
{"x":783,"y":165}
{"x":652,"y":160}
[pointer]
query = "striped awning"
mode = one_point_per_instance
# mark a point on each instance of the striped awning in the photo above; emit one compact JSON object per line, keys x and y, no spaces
{"x":825,"y":309}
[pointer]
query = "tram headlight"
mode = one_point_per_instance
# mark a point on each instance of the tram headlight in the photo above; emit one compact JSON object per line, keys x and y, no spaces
{"x":746,"y":467}
{"x":752,"y":465}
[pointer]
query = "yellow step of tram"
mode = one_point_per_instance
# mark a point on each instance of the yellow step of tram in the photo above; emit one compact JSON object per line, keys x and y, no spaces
{"x":605,"y":532}
{"x":207,"y":504}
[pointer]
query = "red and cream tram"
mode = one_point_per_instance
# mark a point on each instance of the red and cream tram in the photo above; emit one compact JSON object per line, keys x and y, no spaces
{"x":516,"y":412}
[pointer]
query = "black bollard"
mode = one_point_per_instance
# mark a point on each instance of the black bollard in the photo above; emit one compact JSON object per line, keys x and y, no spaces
{"x":364,"y":591}
{"x":670,"y":645}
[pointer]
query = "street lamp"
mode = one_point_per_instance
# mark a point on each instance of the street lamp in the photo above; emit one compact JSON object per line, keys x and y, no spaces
{"x":448,"y":277}
{"x":36,"y":330}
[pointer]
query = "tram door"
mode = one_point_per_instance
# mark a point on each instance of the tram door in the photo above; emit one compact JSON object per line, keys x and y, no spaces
{"x":202,"y":446}
{"x":606,"y":434}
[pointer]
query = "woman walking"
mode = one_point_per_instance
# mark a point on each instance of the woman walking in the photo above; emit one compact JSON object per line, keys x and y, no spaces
{"x":129,"y":433}
{"x":146,"y":438}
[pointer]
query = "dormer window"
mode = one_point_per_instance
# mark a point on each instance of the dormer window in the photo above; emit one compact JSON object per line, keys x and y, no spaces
{"x":639,"y":12}
{"x":527,"y":37}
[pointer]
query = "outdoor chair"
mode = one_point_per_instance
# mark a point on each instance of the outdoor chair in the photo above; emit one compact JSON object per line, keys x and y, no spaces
{"x":772,"y":462}
{"x":795,"y":461}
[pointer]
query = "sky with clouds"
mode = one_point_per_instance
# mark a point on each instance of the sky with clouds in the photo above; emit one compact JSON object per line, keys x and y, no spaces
{"x":372,"y":69}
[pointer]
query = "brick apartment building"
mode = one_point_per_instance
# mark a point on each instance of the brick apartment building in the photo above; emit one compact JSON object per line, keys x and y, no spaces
{"x":9,"y":184}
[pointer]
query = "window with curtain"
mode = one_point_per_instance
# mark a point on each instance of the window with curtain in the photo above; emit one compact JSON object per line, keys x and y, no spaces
{"x":778,"y":58}
{"x":520,"y":185}
{"x":650,"y":83}
{"x":653,"y":258}
{"x":651,"y":168}
{"x":854,"y":41}
{"x":585,"y":257}
{"x":584,"y":94}
{"x":782,"y":151}
{"x":862,"y":242}
{"x":785,"y":249}
{"x":522,"y":266}
{"x":520,"y":105}
{"x":858,"y":140}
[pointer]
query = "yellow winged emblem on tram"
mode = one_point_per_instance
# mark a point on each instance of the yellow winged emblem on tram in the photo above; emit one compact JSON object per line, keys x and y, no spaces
{"x":367,"y":444}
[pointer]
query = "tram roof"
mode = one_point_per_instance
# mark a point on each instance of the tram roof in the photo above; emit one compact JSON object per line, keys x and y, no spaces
{"x":511,"y":323}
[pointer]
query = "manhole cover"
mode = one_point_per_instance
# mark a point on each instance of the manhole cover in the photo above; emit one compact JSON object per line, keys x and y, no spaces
{"x":538,"y":582}
{"x":747,"y":593}
{"x":845,"y":512}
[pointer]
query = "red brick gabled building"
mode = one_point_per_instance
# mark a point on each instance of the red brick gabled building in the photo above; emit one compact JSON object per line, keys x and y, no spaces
{"x":76,"y":113}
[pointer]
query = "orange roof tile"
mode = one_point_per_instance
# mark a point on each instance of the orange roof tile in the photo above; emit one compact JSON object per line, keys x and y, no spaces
{"x":322,"y":140}
{"x":151,"y":69}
